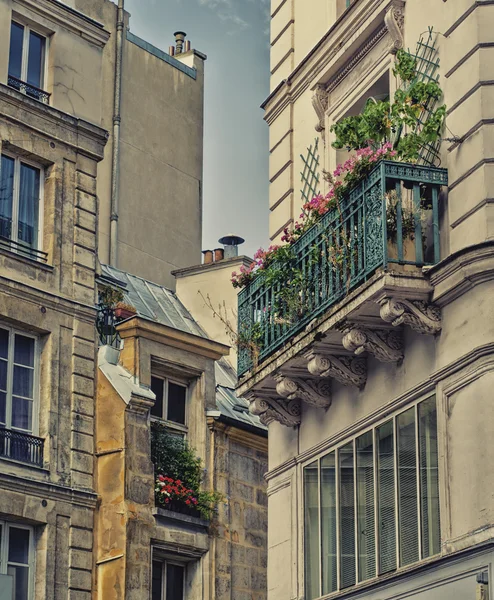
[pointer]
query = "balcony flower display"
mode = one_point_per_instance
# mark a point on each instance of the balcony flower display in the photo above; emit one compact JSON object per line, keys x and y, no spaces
{"x":179,"y":476}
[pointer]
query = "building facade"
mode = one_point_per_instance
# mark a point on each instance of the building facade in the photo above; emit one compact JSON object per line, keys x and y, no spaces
{"x":377,"y":393}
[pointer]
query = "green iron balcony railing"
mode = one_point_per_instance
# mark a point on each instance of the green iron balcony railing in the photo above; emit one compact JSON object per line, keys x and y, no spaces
{"x":390,"y":217}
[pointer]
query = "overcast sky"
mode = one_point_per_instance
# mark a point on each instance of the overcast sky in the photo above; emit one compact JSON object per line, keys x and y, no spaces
{"x":234,"y":36}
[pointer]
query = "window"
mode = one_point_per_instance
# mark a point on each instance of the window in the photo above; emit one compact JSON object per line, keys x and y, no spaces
{"x":27,"y":61}
{"x":171,"y":403}
{"x":168,"y":581}
{"x":16,"y":561}
{"x":372,"y":505}
{"x":21,"y":206}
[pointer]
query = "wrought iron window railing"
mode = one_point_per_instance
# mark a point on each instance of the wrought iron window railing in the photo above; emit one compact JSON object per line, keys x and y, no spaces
{"x":20,"y":446}
{"x":106,"y":322}
{"x":391,"y":217}
{"x":30,"y":90}
{"x":23,"y":249}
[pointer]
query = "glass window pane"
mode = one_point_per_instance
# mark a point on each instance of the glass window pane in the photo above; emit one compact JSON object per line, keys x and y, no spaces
{"x":365,"y":507}
{"x":6,"y":195}
{"x":23,"y":382}
{"x":4,"y":343}
{"x":3,"y":375}
{"x":20,"y":576}
{"x":36,"y":59}
{"x":386,"y":497}
{"x":177,"y":395}
{"x":24,"y":351}
{"x":157,"y":388}
{"x":19,"y":545}
{"x":3,"y":407}
{"x":328,"y":523}
{"x":347,"y":516}
{"x":311,"y":529}
{"x":174,"y":582}
{"x":407,"y":487}
{"x":22,"y":414}
{"x":29,"y":205}
{"x":157,"y":583}
{"x":429,"y":480}
{"x":15,"y":56}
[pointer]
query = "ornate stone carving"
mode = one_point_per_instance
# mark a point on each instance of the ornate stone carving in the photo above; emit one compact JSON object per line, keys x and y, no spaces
{"x":345,"y":369}
{"x":286,"y":412}
{"x":320,"y":101}
{"x":395,"y":22}
{"x":315,"y":393}
{"x":419,"y":315}
{"x":386,"y":346}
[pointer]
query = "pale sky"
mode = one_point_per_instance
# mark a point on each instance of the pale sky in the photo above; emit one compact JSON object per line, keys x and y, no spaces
{"x":234,"y":36}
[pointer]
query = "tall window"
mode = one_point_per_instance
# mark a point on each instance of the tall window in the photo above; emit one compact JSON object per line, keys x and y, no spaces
{"x":372,"y":505}
{"x":168,"y":581}
{"x":171,"y":404}
{"x":16,"y":561}
{"x":20,"y":206}
{"x":27,"y":61}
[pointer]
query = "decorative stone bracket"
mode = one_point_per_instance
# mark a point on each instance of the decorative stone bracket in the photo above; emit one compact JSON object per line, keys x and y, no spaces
{"x":316,"y":393}
{"x":419,"y":315}
{"x":345,"y":369}
{"x":287,"y":412}
{"x":394,"y":20}
{"x":386,"y":346}
{"x":320,"y":102}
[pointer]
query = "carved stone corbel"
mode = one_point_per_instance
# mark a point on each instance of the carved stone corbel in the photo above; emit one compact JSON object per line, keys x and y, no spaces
{"x":320,"y":102}
{"x":394,"y":20}
{"x":286,"y":412}
{"x":386,"y":346}
{"x":315,"y":393}
{"x":345,"y":369}
{"x":419,"y":315}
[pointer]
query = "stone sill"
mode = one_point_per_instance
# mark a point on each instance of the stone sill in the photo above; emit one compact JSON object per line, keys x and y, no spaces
{"x":170,"y":515}
{"x":26,"y":260}
{"x":25,"y":465}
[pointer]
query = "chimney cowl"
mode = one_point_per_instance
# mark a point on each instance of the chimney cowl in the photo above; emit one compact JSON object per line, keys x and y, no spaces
{"x":179,"y":41}
{"x":231,"y":243}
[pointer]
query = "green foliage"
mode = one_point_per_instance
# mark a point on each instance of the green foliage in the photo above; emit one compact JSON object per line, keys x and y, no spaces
{"x":173,"y":457}
{"x":406,"y":66}
{"x":110,"y":296}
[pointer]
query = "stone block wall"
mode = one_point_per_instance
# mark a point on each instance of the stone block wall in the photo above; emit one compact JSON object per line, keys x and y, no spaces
{"x":241,"y":537}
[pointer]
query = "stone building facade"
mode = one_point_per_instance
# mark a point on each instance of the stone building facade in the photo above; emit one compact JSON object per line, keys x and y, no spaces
{"x":399,"y":366}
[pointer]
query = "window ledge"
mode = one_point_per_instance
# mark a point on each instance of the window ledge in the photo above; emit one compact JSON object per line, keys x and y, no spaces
{"x":25,"y":465}
{"x":170,"y":515}
{"x":26,"y":260}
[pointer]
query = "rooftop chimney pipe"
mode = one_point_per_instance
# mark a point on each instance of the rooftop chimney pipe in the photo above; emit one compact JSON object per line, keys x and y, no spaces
{"x":231,"y":243}
{"x":179,"y":41}
{"x":208,"y":256}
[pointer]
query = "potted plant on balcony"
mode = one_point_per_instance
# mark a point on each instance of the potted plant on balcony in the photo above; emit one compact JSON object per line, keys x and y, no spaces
{"x":179,"y":476}
{"x":124,"y":310}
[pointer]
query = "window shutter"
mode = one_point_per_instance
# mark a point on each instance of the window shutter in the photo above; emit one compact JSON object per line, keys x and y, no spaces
{"x":365,"y":502}
{"x":328,"y":523}
{"x":347,"y":516}
{"x":311,"y":510}
{"x":386,"y":497}
{"x":407,"y":487}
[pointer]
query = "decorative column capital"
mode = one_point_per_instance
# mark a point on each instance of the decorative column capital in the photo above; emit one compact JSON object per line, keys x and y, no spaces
{"x":286,"y":412}
{"x":421,"y":316}
{"x":394,"y":20}
{"x":385,"y":345}
{"x":315,"y":393}
{"x":348,"y":370}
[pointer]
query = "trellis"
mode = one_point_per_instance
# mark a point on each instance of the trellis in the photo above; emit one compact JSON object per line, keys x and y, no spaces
{"x":310,"y":173}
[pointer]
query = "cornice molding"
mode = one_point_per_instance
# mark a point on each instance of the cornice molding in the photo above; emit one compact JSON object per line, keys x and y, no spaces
{"x":71,"y":19}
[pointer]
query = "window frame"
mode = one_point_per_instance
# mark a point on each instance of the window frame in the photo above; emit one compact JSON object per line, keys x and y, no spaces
{"x":18,"y":160}
{"x":335,"y":449}
{"x":164,"y":563}
{"x":173,"y":426}
{"x":4,"y":547}
{"x":10,"y":370}
{"x":28,"y":28}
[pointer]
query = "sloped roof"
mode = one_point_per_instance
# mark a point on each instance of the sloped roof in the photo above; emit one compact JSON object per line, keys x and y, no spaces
{"x":159,"y":304}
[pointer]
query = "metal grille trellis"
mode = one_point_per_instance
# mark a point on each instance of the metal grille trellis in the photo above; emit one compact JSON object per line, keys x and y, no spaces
{"x":310,"y":174}
{"x":341,"y":251}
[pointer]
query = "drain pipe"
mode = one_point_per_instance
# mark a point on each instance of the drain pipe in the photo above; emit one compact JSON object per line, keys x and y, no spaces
{"x":115,"y":167}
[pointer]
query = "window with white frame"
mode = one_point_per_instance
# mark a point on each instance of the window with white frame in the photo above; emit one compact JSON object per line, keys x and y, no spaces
{"x":27,"y":61}
{"x":18,"y":380}
{"x":168,"y":580}
{"x":170,"y":404}
{"x":372,"y":504}
{"x":16,"y":561}
{"x":21,"y":206}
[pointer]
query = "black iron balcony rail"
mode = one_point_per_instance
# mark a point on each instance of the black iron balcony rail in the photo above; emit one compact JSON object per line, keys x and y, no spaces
{"x":30,"y":90}
{"x":23,"y":447}
{"x":23,"y":249}
{"x":106,"y":322}
{"x":391,"y":217}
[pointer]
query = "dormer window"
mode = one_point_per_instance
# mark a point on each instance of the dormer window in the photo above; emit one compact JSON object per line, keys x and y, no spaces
{"x":27,"y":61}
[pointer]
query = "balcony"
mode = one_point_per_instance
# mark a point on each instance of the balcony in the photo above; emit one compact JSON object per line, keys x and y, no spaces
{"x":358,"y":273}
{"x":23,"y":447}
{"x":29,"y":90}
